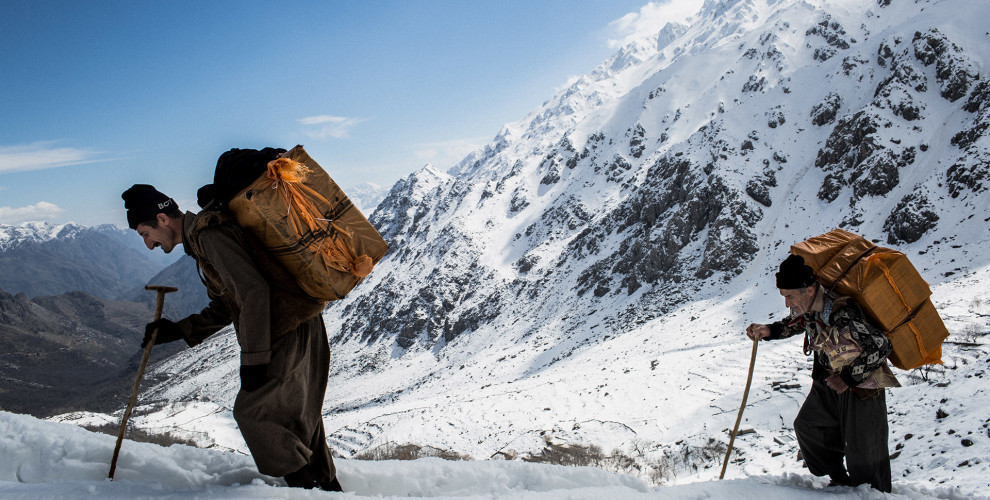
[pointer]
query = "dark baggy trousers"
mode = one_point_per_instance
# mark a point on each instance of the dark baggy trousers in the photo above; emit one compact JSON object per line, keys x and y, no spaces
{"x":833,"y":426}
{"x":282,"y":422}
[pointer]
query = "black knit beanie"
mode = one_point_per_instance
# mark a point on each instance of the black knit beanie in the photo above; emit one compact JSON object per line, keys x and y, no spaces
{"x":794,"y":273}
{"x":143,"y":202}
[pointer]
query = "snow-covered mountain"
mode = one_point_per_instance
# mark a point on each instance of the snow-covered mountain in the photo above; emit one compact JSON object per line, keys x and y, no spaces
{"x":586,"y":277}
{"x":39,"y":258}
{"x":367,"y":196}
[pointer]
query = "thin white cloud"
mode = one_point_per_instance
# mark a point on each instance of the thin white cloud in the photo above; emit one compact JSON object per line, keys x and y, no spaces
{"x":571,"y":80}
{"x":328,"y":126}
{"x":38,"y":212}
{"x":650,"y":19}
{"x":447,"y":152}
{"x":43,"y":155}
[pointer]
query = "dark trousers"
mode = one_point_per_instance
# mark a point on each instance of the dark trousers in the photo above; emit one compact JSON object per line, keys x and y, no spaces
{"x":282,"y":422}
{"x":833,"y":426}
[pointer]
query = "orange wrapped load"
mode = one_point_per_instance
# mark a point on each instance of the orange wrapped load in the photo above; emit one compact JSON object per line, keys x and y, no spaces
{"x":310,"y":226}
{"x":912,"y":347}
{"x":888,"y":288}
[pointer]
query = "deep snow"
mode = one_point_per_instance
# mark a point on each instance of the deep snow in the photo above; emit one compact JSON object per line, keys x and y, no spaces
{"x":40,"y":459}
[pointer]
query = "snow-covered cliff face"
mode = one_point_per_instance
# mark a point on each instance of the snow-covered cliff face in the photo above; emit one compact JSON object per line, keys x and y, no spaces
{"x":678,"y":159}
{"x":587,"y":275}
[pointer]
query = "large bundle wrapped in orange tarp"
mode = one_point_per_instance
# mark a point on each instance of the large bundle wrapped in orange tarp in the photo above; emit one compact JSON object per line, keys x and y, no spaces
{"x":309,"y":225}
{"x":886,"y":286}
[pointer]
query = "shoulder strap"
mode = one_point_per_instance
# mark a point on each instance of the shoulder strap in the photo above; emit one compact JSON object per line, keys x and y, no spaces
{"x":203,"y":220}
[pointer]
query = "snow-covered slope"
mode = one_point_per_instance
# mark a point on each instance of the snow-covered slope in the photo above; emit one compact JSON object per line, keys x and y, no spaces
{"x":586,"y":277}
{"x":50,"y":460}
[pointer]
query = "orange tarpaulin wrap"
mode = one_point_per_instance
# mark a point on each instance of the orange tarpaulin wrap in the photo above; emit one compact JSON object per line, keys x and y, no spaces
{"x":912,"y":347}
{"x":886,"y":286}
{"x":307,"y":222}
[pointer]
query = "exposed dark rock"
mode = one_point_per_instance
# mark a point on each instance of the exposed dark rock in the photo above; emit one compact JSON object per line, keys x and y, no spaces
{"x":519,"y":202}
{"x":485,"y":311}
{"x":560,"y":220}
{"x":832,"y":33}
{"x":616,"y":169}
{"x":831,"y":187}
{"x":759,"y":188}
{"x":978,"y":102}
{"x":552,"y":176}
{"x":894,"y":95}
{"x":636,"y":142}
{"x":849,"y":143}
{"x":754,"y":84}
{"x":850,"y":63}
{"x":666,"y":214}
{"x":775,"y":118}
{"x":879,"y":176}
{"x":853,"y":157}
{"x":526,"y":263}
{"x":954,"y":71}
{"x":910,"y":220}
{"x":969,"y":174}
{"x":825,"y":112}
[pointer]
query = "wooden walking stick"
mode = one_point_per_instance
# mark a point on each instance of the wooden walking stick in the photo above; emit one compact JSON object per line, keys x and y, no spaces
{"x":159,"y":305}
{"x":735,"y":428}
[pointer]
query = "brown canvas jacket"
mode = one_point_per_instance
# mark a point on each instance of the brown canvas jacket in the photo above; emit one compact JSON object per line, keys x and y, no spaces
{"x":246,"y":287}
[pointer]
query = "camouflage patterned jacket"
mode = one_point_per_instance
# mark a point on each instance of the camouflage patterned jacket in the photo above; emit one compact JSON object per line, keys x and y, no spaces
{"x":843,"y":340}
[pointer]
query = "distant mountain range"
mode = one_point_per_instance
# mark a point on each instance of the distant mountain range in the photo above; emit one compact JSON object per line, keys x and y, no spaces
{"x":72,"y":313}
{"x":38,"y":258}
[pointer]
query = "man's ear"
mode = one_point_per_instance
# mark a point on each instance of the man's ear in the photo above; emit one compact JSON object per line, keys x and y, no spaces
{"x":162,"y":218}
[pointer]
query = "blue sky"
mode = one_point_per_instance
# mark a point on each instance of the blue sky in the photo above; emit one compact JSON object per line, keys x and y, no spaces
{"x":96,"y":96}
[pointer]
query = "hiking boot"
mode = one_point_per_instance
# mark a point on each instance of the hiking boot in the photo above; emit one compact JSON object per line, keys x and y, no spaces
{"x":839,"y":481}
{"x":333,"y":485}
{"x":301,"y":479}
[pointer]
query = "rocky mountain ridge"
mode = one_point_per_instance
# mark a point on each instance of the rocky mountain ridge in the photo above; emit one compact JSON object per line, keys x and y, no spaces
{"x":638,"y":176}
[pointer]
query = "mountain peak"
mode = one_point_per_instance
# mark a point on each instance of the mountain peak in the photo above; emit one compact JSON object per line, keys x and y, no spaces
{"x":33,"y":231}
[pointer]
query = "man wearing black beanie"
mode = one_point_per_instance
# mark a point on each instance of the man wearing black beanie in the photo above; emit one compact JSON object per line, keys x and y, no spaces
{"x":154,"y":216}
{"x":285,"y":355}
{"x":845,"y":413}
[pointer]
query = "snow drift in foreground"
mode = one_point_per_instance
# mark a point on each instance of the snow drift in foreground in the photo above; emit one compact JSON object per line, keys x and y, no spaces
{"x":40,"y":459}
